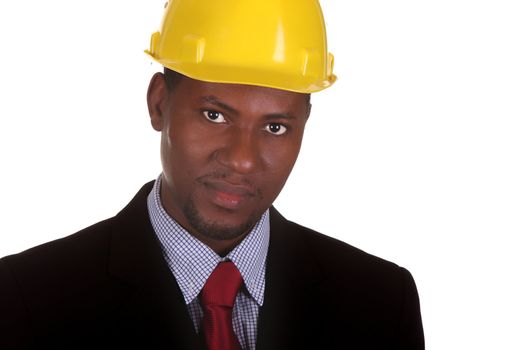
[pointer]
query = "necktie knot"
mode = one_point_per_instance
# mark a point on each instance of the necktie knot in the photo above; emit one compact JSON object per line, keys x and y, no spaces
{"x":222,"y":286}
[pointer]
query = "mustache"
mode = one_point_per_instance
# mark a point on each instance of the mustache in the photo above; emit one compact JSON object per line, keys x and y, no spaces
{"x":231,"y":179}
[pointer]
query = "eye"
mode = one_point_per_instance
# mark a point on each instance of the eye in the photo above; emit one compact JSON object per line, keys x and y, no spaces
{"x":215,"y":117}
{"x":275,"y":128}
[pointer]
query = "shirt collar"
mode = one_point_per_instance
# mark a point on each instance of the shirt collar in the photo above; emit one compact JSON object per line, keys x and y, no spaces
{"x":192,"y":262}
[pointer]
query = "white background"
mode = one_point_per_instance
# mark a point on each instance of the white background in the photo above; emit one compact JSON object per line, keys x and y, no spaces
{"x":416,"y":154}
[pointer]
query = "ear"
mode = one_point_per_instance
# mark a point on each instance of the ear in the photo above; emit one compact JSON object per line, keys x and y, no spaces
{"x":157,"y":97}
{"x":309,"y":111}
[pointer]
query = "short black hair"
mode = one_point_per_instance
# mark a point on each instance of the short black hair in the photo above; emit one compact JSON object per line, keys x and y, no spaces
{"x":173,"y":78}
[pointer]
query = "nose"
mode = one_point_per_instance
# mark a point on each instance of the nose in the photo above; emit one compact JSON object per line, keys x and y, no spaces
{"x":240,"y":153}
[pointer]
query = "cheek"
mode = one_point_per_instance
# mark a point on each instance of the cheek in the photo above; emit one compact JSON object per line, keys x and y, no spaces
{"x":184,"y":148}
{"x":174,"y":154}
{"x":280,"y":161}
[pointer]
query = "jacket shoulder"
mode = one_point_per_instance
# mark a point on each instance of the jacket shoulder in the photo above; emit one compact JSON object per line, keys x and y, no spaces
{"x":56,"y":281}
{"x":380,"y":295}
{"x":85,"y":249}
{"x":81,"y":246}
{"x":59,"y":273}
{"x":338,"y":256}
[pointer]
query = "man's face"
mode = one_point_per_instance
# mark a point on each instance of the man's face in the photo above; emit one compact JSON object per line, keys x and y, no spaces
{"x":226,"y":151}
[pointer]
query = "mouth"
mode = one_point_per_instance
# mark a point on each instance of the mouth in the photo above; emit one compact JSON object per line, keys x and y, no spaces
{"x":227,"y":195}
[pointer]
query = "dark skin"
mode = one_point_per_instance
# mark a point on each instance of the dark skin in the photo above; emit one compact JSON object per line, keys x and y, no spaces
{"x":227,"y":151}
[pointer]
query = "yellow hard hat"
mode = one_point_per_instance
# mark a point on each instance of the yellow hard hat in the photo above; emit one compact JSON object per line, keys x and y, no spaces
{"x":274,"y":43}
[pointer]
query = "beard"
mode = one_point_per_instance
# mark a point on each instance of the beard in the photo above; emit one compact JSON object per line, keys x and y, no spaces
{"x":216,"y":229}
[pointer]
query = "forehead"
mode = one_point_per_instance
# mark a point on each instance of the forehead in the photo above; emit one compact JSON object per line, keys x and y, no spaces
{"x":241,"y":97}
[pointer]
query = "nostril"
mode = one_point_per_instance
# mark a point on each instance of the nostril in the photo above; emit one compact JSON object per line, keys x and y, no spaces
{"x":240,"y":157}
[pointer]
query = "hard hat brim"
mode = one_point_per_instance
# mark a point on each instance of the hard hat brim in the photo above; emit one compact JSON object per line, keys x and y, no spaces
{"x":247,"y":76}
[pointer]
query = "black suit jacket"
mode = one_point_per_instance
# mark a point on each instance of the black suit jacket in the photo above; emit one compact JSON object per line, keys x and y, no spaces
{"x":109,"y":286}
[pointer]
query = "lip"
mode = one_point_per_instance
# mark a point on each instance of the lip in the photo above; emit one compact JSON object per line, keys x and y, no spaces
{"x":227,"y":195}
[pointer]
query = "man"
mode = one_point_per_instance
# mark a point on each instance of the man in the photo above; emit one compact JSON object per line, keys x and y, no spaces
{"x":199,"y":258}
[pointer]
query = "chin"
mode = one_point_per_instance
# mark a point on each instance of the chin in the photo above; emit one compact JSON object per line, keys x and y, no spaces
{"x":220,"y":223}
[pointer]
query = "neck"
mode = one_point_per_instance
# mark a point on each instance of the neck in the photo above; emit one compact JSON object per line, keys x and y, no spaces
{"x":221,"y":247}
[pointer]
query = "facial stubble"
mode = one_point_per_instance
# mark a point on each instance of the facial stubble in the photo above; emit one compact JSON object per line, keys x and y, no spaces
{"x":215,"y":229}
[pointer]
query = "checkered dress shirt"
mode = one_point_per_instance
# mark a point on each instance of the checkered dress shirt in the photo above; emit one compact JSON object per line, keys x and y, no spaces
{"x":192,"y":262}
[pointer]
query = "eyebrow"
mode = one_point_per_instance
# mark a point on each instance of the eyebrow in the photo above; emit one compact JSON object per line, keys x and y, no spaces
{"x":273,"y":116}
{"x":215,"y":101}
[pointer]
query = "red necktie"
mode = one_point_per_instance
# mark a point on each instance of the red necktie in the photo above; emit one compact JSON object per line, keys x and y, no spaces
{"x":217,"y":298}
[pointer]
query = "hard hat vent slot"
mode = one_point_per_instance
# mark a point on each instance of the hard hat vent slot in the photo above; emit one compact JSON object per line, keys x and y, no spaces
{"x":193,"y":48}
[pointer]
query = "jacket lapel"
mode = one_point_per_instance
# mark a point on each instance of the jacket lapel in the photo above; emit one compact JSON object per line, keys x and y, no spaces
{"x":290,"y":315}
{"x":153,"y":310}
